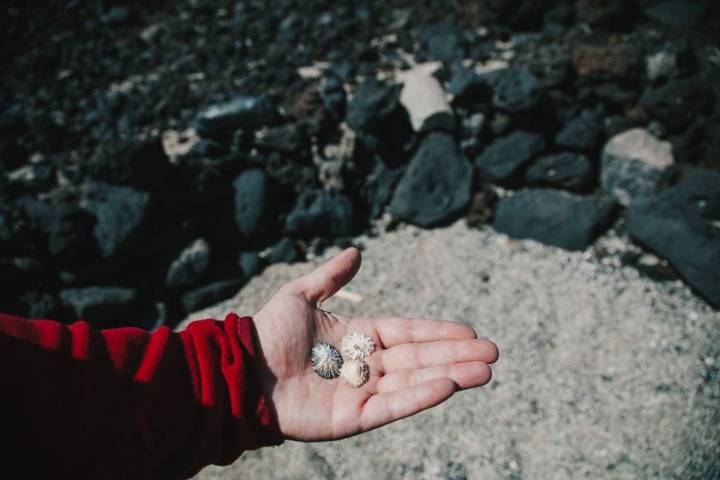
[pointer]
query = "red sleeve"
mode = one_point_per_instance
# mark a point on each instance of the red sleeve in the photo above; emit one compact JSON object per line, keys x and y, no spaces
{"x":125,"y":403}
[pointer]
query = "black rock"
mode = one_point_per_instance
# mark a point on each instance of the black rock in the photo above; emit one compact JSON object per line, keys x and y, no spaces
{"x":101,"y":306}
{"x":502,"y":161}
{"x":677,"y":103}
{"x":250,"y":263}
{"x":554,"y":217}
{"x":570,"y":171}
{"x":321,"y":214}
{"x":209,"y":294}
{"x":286,"y":138}
{"x":67,"y":227}
{"x":207,"y":148}
{"x":467,"y":87}
{"x":240,"y":112}
{"x":119,"y":212}
{"x":377,"y":188}
{"x":681,"y":225}
{"x":190,"y":266}
{"x":334,"y":97}
{"x":435,"y":188}
{"x":482,"y":207}
{"x":373,"y":103}
{"x":515,"y":89}
{"x":444,"y":42}
{"x":251,"y":203}
{"x":584,"y":133}
{"x":684,"y":15}
{"x":284,"y":251}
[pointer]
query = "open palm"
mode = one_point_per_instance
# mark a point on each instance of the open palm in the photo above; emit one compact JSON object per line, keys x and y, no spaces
{"x":416,"y":364}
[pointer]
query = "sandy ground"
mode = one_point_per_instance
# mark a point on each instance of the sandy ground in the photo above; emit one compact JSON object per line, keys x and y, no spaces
{"x":603,"y":373}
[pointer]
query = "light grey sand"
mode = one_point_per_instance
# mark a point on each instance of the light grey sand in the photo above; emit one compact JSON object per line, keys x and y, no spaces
{"x":602,"y":374}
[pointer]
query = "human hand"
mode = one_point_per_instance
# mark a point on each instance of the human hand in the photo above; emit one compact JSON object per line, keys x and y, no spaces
{"x":416,"y":365}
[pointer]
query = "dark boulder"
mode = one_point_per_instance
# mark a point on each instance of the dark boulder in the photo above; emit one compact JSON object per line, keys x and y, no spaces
{"x":681,"y":225}
{"x":444,"y":42}
{"x":570,"y":171}
{"x":59,"y":218}
{"x":435,"y":188}
{"x":468,"y":88}
{"x":677,"y":103}
{"x":515,"y":89}
{"x":503,"y":160}
{"x":554,"y":217}
{"x":143,"y":165}
{"x":583,"y":133}
{"x":251,"y":203}
{"x":240,"y":112}
{"x":190,"y":266}
{"x":372,"y":104}
{"x":210,"y":294}
{"x":321,"y":214}
{"x":250,"y":263}
{"x":284,"y":251}
{"x":101,"y":306}
{"x":120,"y":213}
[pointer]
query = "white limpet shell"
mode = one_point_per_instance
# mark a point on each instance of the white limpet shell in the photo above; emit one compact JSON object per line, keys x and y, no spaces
{"x":326,"y":360}
{"x":355,"y":372}
{"x":357,"y":346}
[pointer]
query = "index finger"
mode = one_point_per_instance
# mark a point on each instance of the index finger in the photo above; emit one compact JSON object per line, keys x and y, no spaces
{"x":398,"y":330}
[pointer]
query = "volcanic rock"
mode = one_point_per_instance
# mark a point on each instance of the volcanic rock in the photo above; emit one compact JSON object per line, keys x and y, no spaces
{"x":681,"y":224}
{"x":515,"y":89}
{"x":119,"y":212}
{"x":101,"y":306}
{"x":633,"y":163}
{"x":321,"y":214}
{"x":583,"y":133}
{"x":210,"y":294}
{"x":190,"y":266}
{"x":554,"y":217}
{"x":569,"y":171}
{"x":502,"y":160}
{"x":251,"y":202}
{"x":435,"y":188}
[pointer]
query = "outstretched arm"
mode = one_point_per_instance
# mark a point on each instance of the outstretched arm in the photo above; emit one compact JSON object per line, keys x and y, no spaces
{"x":125,"y":403}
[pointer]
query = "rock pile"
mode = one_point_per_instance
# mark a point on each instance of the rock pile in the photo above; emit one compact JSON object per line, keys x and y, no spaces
{"x":595,"y":111}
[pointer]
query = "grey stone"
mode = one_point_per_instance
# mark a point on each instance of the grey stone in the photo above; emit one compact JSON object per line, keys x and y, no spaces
{"x":570,"y":171}
{"x":436,"y":185}
{"x":683,"y":225}
{"x":251,"y":202}
{"x":633,"y":163}
{"x":503,"y":160}
{"x":554,"y":217}
{"x":209,"y":294}
{"x":101,"y":306}
{"x":321,"y":214}
{"x":190,"y":266}
{"x":120,"y":212}
{"x":583,"y":133}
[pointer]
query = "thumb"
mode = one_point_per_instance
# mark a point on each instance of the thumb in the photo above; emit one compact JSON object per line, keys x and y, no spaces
{"x":321,"y":284}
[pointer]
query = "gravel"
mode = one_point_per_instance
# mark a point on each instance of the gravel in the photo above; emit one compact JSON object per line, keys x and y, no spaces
{"x":603,"y":373}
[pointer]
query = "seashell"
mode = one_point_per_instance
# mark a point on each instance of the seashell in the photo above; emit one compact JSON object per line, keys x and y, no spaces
{"x":326,"y":360}
{"x":355,"y":372}
{"x":357,"y":346}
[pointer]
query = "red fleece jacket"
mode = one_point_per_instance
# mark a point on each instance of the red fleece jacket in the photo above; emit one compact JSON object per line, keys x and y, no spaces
{"x":126,"y":403}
